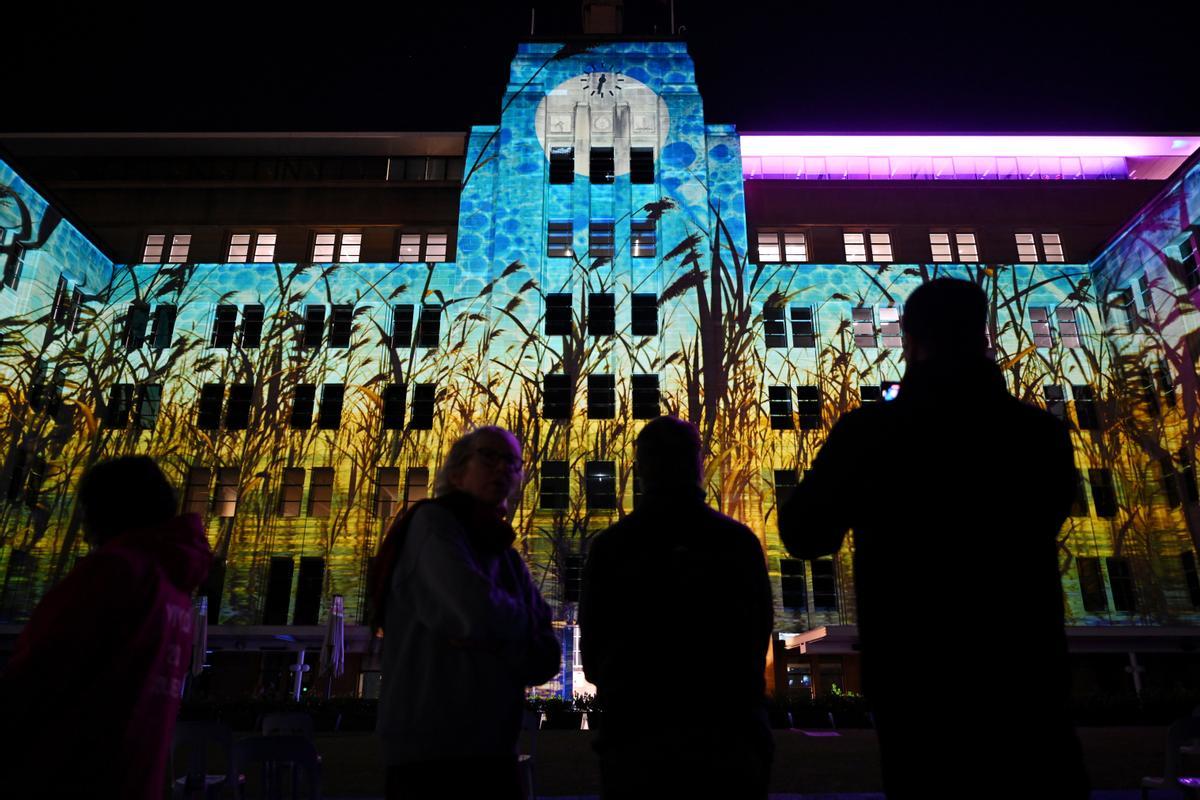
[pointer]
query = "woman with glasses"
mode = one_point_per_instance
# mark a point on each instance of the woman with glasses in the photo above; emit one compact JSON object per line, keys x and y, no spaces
{"x":466,"y":630}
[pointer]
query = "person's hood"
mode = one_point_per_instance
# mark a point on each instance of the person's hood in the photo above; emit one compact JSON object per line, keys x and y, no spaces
{"x":179,"y":545}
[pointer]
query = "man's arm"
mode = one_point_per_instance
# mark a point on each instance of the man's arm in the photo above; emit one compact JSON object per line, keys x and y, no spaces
{"x":815,"y":518}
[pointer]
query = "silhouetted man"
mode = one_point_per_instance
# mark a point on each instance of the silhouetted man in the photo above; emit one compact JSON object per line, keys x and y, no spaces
{"x":956,"y":492}
{"x":674,"y":551}
{"x":92,"y":689}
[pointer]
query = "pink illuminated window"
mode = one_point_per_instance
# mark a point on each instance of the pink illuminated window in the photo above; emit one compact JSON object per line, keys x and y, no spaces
{"x":953,"y":248}
{"x":872,"y":247}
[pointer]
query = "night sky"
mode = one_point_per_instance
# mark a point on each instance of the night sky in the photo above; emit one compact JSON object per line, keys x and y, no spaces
{"x":814,"y":66}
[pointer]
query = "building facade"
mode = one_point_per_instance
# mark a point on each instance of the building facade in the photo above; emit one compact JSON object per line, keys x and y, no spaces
{"x":297,"y":327}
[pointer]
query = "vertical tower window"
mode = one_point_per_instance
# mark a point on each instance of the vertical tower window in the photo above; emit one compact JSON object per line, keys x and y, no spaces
{"x":1087,"y":413}
{"x":824,"y":577}
{"x":1120,"y":580}
{"x":562,"y":165}
{"x":795,"y":246}
{"x":393,"y":406}
{"x":792,"y":588}
{"x":554,"y":489}
{"x":176,"y":252}
{"x":341,"y":324}
{"x":556,"y":397}
{"x":1170,"y":480}
{"x":785,"y":484}
{"x":808,"y":407}
{"x":387,"y":491}
{"x":291,"y":489}
{"x":558,"y":314}
{"x":560,"y":238}
{"x":162,"y":326}
{"x":136,"y":319}
{"x":429,"y":326}
{"x":863,"y":318}
{"x":603,"y":166}
{"x":314,"y":326}
{"x":1039,"y":320}
{"x":602,"y":397}
{"x":602,"y":315}
{"x":304,"y":400}
{"x":600,"y":238}
{"x":320,"y":492}
{"x":1068,"y":325}
{"x":774,"y":328}
{"x":779,"y":406}
{"x":643,"y":238}
{"x":601,"y":484}
{"x":224,"y":326}
{"x":195,"y":493}
{"x":212,"y":396}
{"x":644,"y":314}
{"x":416,"y":486}
{"x":768,"y":247}
{"x":410,"y":247}
{"x":308,"y":590}
{"x":279,"y":590}
{"x":251,"y":247}
{"x":424,"y":398}
{"x":641,"y":165}
{"x":1051,"y":249}
{"x":120,"y":404}
{"x":1091,"y":585}
{"x":252,"y":325}
{"x":237,"y":411}
{"x":1189,"y":258}
{"x":889,"y":327}
{"x":645,"y":396}
{"x":332,"y":397}
{"x":436,"y":245}
{"x":804,"y":331}
{"x":402,"y":324}
{"x":149,"y":400}
{"x":867,"y":246}
{"x":1104,"y":495}
{"x":1056,"y":402}
{"x":226,"y":498}
{"x":342,"y":248}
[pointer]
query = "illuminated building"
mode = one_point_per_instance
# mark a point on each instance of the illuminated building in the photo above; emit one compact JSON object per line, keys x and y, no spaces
{"x":298,"y":325}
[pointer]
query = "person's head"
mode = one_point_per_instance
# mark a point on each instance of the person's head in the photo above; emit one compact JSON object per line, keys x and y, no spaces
{"x":124,"y":494}
{"x":945,"y":318}
{"x":485,"y":463}
{"x":668,"y":455}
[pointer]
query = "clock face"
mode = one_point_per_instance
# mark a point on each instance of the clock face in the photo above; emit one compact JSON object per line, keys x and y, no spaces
{"x":598,"y":107}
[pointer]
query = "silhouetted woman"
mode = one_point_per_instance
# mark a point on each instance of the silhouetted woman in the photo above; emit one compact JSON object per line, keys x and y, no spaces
{"x":466,"y":630}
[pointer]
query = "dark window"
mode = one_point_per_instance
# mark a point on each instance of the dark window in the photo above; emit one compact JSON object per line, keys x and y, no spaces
{"x":1056,"y":402}
{"x":308,"y":591}
{"x":304,"y":401}
{"x":560,"y":235}
{"x":779,"y":404}
{"x":600,"y":239}
{"x":558,"y":314}
{"x":824,"y":578}
{"x":402,"y":324}
{"x":1091,"y":585}
{"x":424,"y":397}
{"x":602,"y":315}
{"x":1087,"y":414}
{"x":601,"y":484}
{"x":291,"y":490}
{"x":394,"y":395}
{"x":1170,"y":480}
{"x":785,"y":484}
{"x":224,"y":325}
{"x":196,"y":492}
{"x":387,"y":492}
{"x":562,"y":165}
{"x":135,"y":325}
{"x":808,"y":407}
{"x":641,"y":165}
{"x":643,"y":238}
{"x":645,"y":397}
{"x":804,"y":332}
{"x":1187,"y":475}
{"x":1166,"y":383}
{"x":556,"y":397}
{"x":149,"y":400}
{"x":429,"y":326}
{"x":602,"y":397}
{"x":416,"y":485}
{"x":314,"y":326}
{"x":792,"y":586}
{"x":330,"y":416}
{"x":1104,"y":496}
{"x":1143,"y":383}
{"x":341,"y":323}
{"x":252,"y":325}
{"x":870,"y":394}
{"x":555,"y":487}
{"x":1191,"y":578}
{"x":1079,"y":505}
{"x":212,"y":396}
{"x":1147,"y":295}
{"x":120,"y":404}
{"x":237,"y":411}
{"x":162,"y":328}
{"x":67,"y":306}
{"x":1120,"y":580}
{"x":1120,"y":311}
{"x":644,"y":315}
{"x":279,"y":590}
{"x":603,"y":167}
{"x":572,"y":578}
{"x":774,"y":327}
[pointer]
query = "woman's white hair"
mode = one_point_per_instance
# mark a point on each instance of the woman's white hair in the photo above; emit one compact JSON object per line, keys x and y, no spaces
{"x":461,"y":451}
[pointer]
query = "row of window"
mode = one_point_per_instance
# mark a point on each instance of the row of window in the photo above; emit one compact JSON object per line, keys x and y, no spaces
{"x":875,"y":247}
{"x":258,"y":247}
{"x":557,"y":399}
{"x":602,"y":165}
{"x":560,"y":238}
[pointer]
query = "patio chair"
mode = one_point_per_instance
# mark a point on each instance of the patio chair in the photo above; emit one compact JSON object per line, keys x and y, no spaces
{"x":1182,"y":733}
{"x":196,"y":739}
{"x":272,"y":752}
